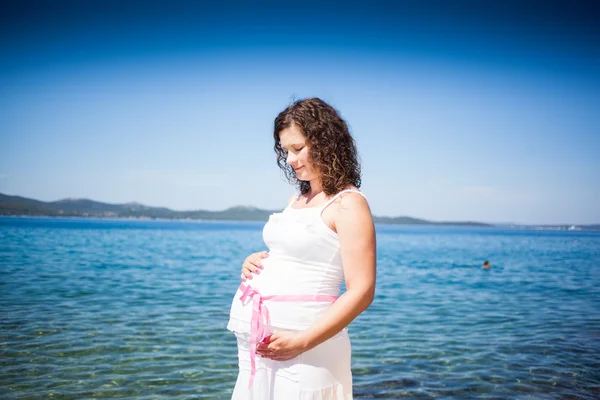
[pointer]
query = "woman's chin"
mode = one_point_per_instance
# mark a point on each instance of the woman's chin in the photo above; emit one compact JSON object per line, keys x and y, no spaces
{"x":304,"y":176}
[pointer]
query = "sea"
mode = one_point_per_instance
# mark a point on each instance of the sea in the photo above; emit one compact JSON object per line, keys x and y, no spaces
{"x":133,"y":309}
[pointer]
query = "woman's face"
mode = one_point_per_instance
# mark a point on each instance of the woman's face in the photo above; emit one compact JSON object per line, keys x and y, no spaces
{"x":294,"y":143}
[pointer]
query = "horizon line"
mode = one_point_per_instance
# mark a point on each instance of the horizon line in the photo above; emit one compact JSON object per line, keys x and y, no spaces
{"x":263,"y":209}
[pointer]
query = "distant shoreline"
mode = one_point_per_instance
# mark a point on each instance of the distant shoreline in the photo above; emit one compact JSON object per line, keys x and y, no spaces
{"x":561,"y":228}
{"x":16,"y":206}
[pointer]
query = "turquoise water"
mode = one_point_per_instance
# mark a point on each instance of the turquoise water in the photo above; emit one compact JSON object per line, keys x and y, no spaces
{"x":138,"y":309}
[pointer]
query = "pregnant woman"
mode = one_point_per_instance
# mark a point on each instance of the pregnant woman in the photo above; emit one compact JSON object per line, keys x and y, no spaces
{"x":289,"y":318}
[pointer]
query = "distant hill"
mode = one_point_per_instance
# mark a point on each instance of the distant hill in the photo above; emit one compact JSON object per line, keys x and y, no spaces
{"x":21,"y":206}
{"x":16,"y":205}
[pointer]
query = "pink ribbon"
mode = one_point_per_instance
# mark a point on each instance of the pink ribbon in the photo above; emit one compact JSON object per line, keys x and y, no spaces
{"x":259,"y":324}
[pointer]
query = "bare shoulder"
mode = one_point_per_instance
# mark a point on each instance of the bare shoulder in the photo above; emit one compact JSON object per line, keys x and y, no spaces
{"x":350,"y":210}
{"x":351,"y":202}
{"x":353,"y":206}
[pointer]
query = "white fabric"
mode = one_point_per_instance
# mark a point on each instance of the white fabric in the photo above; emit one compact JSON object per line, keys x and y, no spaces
{"x":304,"y":258}
{"x":322,"y":373}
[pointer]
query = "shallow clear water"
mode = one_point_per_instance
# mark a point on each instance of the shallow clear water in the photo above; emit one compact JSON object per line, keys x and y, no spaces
{"x":138,"y":309}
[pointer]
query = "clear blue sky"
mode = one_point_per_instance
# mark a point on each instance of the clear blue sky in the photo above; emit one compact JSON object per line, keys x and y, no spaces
{"x":464,"y":110}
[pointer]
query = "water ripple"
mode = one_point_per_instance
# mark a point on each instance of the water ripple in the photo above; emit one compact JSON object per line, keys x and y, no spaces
{"x":137,"y":309}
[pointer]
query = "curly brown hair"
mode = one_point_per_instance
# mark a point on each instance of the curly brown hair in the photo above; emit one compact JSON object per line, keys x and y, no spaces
{"x":332,"y":149}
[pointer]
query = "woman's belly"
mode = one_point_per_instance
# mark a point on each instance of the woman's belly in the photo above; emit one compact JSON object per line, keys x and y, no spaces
{"x":286,"y":277}
{"x":282,"y":275}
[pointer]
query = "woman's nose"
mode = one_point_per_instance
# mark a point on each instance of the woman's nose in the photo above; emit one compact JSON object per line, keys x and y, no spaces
{"x":290,"y":158}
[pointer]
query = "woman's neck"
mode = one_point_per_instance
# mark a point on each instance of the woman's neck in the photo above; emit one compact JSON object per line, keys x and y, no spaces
{"x":316,"y":188}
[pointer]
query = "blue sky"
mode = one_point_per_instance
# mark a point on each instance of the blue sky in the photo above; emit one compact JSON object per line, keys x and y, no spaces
{"x":461,"y":110}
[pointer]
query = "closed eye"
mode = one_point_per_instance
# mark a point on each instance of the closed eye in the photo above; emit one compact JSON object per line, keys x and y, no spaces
{"x":293,"y":149}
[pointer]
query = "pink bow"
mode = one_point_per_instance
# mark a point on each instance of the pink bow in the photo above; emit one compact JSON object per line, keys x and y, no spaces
{"x":259,"y":324}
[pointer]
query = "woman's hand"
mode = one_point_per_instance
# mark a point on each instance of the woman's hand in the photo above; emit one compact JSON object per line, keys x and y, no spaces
{"x":283,"y":345}
{"x":252,"y":265}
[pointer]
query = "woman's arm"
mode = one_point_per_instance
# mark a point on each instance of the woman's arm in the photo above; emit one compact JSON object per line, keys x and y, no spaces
{"x":354,"y":226}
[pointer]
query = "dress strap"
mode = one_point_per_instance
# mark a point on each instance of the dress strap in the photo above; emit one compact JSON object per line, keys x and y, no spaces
{"x":294,"y":199}
{"x":339,"y":193}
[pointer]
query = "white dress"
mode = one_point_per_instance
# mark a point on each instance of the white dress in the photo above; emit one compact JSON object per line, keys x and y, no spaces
{"x":304,"y":259}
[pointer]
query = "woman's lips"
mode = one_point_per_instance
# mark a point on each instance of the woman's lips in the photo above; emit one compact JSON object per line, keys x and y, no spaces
{"x":296,"y":169}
